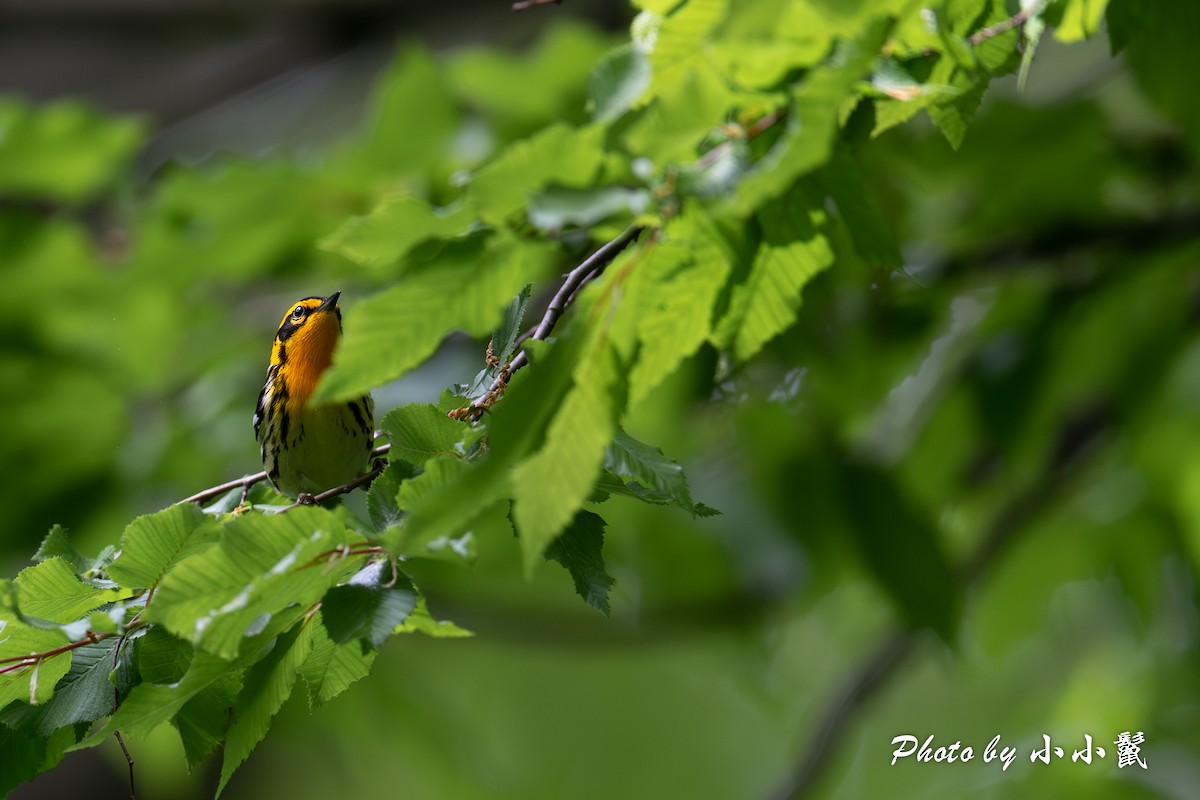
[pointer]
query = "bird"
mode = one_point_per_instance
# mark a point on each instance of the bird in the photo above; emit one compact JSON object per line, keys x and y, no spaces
{"x":309,"y":449}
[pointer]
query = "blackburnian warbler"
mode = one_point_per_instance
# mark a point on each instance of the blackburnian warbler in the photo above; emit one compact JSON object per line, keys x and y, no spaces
{"x":306,"y":450}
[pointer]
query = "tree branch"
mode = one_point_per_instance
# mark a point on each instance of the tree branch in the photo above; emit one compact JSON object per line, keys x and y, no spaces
{"x":249,"y":480}
{"x":345,"y":488}
{"x":589,"y":270}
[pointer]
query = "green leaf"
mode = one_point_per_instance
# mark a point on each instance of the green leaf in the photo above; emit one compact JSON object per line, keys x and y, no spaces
{"x":84,"y":693}
{"x":1080,"y":19}
{"x":617,"y":82}
{"x":558,"y":207}
{"x":393,"y":229}
{"x":466,"y":287}
{"x":792,"y":251}
{"x":58,"y":545}
{"x":266,"y":686}
{"x":683,"y":37}
{"x":150,"y":705}
{"x":421,"y":621}
{"x":549,"y":485}
{"x":366,"y":609}
{"x":649,"y":474}
{"x":843,"y":179}
{"x":812,"y":121}
{"x":27,"y":754}
{"x":413,"y":88}
{"x":202,"y":722}
{"x":52,"y":591}
{"x":261,"y":566}
{"x":34,"y":684}
{"x":381,"y":497}
{"x":504,"y":338}
{"x":332,"y":667}
{"x":152,"y":544}
{"x":65,"y":151}
{"x":579,"y":549}
{"x":901,"y":548}
{"x":419,"y":432}
{"x":163,"y":658}
{"x":684,"y":273}
{"x":557,"y":154}
{"x":440,"y":476}
{"x":550,"y":76}
{"x":674,"y":125}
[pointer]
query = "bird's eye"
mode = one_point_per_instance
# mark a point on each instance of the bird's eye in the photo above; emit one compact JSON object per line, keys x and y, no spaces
{"x":298,"y":312}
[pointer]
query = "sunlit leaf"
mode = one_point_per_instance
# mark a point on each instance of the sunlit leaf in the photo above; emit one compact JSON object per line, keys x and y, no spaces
{"x":465,"y":287}
{"x":265,"y":688}
{"x":154,"y":543}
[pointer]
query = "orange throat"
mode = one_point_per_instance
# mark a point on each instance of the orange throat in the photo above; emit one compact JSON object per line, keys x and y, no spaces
{"x":305,"y":358}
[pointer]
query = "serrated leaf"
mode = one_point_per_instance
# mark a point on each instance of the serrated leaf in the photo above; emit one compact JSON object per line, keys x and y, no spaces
{"x":58,"y":545}
{"x":648,"y":473}
{"x":549,"y":486}
{"x":419,"y":432}
{"x":557,"y":154}
{"x":332,"y":667}
{"x":381,"y":497}
{"x":153,"y":543}
{"x":812,"y":121}
{"x":259,"y":567}
{"x":440,"y":477}
{"x":266,"y":686}
{"x":466,"y":287}
{"x":84,"y":693}
{"x":385,"y":236}
{"x":203,"y":720}
{"x":34,"y":684}
{"x":792,"y":251}
{"x":579,"y":549}
{"x":150,"y":705}
{"x":421,"y":621}
{"x":163,"y":658}
{"x":367,"y":612}
{"x":685,"y":273}
{"x":52,"y":591}
{"x":504,"y":338}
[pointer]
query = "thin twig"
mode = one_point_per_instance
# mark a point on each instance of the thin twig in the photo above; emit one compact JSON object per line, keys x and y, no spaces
{"x":117,"y":704}
{"x":592,"y":267}
{"x":345,"y":488}
{"x":129,"y":761}
{"x":250,"y":480}
{"x":1004,"y":26}
{"x":33,"y":658}
{"x":216,"y":491}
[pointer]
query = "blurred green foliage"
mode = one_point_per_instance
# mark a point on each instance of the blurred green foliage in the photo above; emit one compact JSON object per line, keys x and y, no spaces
{"x":930,"y":388}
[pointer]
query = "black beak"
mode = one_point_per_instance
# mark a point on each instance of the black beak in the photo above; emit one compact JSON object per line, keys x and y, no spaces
{"x":330,"y":303}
